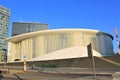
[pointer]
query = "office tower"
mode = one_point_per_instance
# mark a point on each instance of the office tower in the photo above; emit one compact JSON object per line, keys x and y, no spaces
{"x":4,"y":23}
{"x":26,"y":27}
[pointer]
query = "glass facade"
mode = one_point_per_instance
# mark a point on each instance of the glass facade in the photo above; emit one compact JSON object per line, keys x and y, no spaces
{"x":27,"y":27}
{"x":4,"y":23}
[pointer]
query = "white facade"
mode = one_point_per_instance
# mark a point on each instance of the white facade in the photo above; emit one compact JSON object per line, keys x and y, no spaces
{"x":41,"y":43}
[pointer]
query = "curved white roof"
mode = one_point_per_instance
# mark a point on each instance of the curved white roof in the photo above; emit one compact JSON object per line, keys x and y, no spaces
{"x":36,"y":33}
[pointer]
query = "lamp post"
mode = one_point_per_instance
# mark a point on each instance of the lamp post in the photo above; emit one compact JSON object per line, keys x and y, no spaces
{"x":90,"y":54}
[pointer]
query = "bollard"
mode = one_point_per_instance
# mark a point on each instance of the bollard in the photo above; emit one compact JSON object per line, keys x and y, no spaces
{"x":25,"y":68}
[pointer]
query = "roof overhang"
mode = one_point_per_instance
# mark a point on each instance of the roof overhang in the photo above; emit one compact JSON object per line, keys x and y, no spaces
{"x":36,"y":33}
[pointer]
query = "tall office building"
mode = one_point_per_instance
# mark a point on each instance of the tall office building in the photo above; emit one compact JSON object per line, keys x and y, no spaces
{"x":26,"y":27}
{"x":4,"y":23}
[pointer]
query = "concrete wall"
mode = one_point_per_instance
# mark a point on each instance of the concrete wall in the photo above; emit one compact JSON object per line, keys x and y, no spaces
{"x":85,"y":62}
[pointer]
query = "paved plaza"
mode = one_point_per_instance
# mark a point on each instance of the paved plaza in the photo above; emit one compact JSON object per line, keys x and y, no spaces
{"x":61,"y":74}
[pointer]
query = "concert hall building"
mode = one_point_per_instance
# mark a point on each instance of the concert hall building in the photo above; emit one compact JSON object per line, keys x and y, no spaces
{"x":59,"y":44}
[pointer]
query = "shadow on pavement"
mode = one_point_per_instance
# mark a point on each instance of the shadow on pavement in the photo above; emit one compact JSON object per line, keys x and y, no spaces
{"x":1,"y":76}
{"x":17,"y":76}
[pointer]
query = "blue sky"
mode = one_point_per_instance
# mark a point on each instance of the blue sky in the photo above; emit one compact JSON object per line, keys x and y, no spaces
{"x":103,"y":15}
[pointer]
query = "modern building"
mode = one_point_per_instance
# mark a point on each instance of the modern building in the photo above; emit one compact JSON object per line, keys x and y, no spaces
{"x":59,"y":44}
{"x":26,"y":27}
{"x":4,"y":24}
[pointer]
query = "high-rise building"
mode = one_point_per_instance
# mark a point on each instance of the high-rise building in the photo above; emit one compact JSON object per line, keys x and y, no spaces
{"x":26,"y":27}
{"x":4,"y":23}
